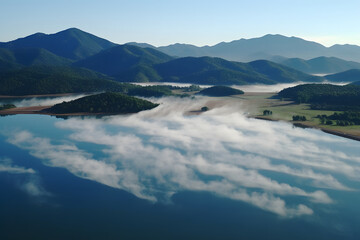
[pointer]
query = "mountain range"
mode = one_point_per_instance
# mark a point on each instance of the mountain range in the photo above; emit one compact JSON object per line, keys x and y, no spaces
{"x":265,"y":47}
{"x":319,"y":65}
{"x":134,"y":62}
{"x":128,"y":63}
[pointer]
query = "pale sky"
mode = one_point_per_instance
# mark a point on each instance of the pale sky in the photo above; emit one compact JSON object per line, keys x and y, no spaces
{"x":198,"y":22}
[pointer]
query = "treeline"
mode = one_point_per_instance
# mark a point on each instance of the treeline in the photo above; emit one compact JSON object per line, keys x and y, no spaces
{"x":325,"y":96}
{"x":7,"y":106}
{"x":151,"y":91}
{"x":54,"y":80}
{"x":341,"y":119}
{"x":39,"y":80}
{"x":220,"y":91}
{"x":107,"y":103}
{"x":299,"y":118}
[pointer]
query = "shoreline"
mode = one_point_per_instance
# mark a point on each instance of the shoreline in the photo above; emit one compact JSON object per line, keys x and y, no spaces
{"x":39,"y":110}
{"x":212,"y":103}
{"x":304,"y":125}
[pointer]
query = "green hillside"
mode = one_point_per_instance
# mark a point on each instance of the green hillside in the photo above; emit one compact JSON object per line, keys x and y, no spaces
{"x":108,"y":103}
{"x":217,"y":71}
{"x":347,"y":76}
{"x":8,"y":61}
{"x":124,"y":58}
{"x":280,"y":73}
{"x":320,"y":65}
{"x":30,"y":57}
{"x":51,"y":80}
{"x":139,"y":73}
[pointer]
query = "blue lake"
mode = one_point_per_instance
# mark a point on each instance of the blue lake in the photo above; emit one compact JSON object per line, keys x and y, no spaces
{"x":161,"y":174}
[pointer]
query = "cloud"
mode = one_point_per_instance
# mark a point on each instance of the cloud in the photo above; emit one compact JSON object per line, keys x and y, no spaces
{"x":31,"y":183}
{"x":6,"y":166}
{"x":156,"y":153}
{"x":34,"y":188}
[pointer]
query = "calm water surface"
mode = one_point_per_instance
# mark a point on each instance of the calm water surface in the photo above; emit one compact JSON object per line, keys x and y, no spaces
{"x":161,"y":174}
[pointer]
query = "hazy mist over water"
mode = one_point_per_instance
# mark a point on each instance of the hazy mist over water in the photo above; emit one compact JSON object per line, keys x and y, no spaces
{"x":157,"y":154}
{"x":246,"y":88}
{"x":49,"y":101}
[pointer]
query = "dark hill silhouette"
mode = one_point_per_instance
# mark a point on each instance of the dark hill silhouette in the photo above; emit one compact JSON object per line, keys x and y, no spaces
{"x":71,"y":43}
{"x":346,"y":76}
{"x":31,"y":57}
{"x":320,"y":65}
{"x":217,"y":71}
{"x":122,"y":58}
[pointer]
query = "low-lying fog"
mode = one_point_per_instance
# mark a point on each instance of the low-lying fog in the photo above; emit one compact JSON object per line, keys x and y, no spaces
{"x":246,"y":88}
{"x":157,"y":153}
{"x":48,"y":101}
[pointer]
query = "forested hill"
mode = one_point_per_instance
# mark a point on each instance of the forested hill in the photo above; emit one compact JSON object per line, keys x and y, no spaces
{"x":50,"y":80}
{"x":323,"y":65}
{"x":325,"y":96}
{"x":352,"y":75}
{"x":11,"y":59}
{"x":122,"y":58}
{"x":217,"y":71}
{"x":220,"y":91}
{"x":71,"y":43}
{"x":105,"y":103}
{"x":127,"y":63}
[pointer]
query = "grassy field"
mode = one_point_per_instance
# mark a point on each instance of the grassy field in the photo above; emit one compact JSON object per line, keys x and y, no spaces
{"x":283,"y":110}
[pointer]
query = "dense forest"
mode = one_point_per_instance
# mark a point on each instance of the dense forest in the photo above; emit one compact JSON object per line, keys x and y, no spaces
{"x":220,"y":91}
{"x":51,"y":80}
{"x":151,"y":91}
{"x":161,"y":90}
{"x":7,"y":106}
{"x":325,"y":96}
{"x":106,"y":103}
{"x":341,"y":119}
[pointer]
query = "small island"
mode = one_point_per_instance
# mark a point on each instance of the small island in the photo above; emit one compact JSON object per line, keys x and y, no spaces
{"x":103,"y":103}
{"x":220,"y":91}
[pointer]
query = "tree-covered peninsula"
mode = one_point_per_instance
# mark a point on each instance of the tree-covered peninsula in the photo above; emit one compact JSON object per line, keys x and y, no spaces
{"x":103,"y":103}
{"x":220,"y":91}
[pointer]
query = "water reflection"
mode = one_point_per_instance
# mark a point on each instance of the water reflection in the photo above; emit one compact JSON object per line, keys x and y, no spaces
{"x":156,"y":153}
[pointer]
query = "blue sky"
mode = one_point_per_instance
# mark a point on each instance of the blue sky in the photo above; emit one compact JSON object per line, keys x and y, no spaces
{"x":198,"y":22}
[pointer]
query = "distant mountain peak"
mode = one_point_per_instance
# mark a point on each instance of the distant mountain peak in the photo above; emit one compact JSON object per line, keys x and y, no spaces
{"x":272,"y":35}
{"x":72,"y":30}
{"x":71,"y":43}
